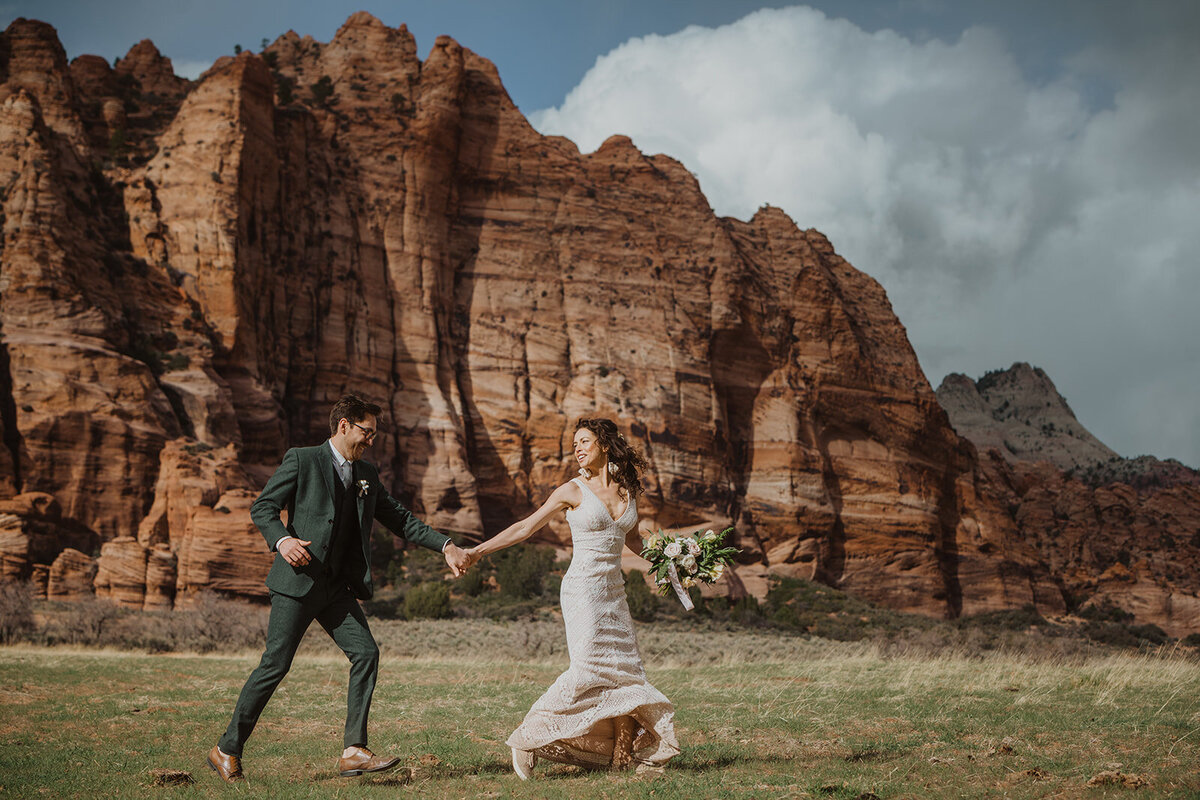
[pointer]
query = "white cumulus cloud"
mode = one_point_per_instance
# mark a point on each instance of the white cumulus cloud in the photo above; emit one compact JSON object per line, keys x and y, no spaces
{"x":1009,"y":220}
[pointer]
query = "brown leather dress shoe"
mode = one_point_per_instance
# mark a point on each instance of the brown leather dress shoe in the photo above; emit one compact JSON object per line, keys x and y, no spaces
{"x":363,"y":760}
{"x":228,"y":767}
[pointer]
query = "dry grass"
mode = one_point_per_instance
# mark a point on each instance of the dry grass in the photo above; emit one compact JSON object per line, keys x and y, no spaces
{"x":758,"y":715}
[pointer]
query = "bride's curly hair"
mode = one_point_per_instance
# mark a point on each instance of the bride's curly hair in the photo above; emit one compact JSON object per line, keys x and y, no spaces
{"x":629,"y":462}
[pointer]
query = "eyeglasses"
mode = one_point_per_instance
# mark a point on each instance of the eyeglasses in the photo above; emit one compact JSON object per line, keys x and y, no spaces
{"x":367,"y":432}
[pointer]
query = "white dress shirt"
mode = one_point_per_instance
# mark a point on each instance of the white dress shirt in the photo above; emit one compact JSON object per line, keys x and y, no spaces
{"x":342,"y":465}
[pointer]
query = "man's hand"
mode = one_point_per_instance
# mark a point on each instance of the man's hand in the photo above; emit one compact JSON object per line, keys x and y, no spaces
{"x":457,"y":558}
{"x":293,"y":552}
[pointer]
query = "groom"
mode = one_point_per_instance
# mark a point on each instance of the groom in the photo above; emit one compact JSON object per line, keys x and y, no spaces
{"x":322,"y":564}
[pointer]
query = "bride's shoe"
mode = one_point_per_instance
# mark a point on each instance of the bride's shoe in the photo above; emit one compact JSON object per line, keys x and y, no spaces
{"x":523,"y":763}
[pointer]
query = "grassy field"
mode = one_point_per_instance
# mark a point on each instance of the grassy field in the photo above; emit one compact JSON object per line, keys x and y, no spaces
{"x":757,"y":716}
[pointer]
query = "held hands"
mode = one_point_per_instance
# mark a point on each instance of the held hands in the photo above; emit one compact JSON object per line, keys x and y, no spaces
{"x":474,"y":555}
{"x":458,"y":559}
{"x":293,"y":552}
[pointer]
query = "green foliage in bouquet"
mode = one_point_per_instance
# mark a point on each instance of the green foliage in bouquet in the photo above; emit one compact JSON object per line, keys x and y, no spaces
{"x":700,"y":557}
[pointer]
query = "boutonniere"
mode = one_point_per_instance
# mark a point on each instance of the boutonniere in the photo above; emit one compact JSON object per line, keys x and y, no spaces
{"x":363,"y":488}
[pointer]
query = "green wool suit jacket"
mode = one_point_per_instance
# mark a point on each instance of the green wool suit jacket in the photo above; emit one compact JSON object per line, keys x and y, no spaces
{"x":303,"y":485}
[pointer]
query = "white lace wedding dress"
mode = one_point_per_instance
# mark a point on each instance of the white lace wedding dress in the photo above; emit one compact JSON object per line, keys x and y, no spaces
{"x":573,"y":721}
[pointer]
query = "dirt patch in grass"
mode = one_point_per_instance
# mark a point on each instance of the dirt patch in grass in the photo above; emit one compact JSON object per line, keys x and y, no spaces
{"x":1117,"y":778}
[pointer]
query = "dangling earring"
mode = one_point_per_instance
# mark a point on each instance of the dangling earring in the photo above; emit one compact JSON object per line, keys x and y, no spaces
{"x":613,"y":469}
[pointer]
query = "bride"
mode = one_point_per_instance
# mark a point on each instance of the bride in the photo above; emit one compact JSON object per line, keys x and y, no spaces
{"x":601,"y":712}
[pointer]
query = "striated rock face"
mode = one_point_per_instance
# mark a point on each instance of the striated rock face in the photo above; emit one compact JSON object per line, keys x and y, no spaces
{"x":40,"y":580}
{"x":32,"y":60}
{"x":1139,"y":550}
{"x":1144,"y":473}
{"x":162,"y":574}
{"x":197,"y":535}
{"x":1019,"y":412}
{"x":1108,"y":528}
{"x":71,"y":576}
{"x":121,"y":572}
{"x":33,"y":531}
{"x":151,"y":71}
{"x":184,"y":301}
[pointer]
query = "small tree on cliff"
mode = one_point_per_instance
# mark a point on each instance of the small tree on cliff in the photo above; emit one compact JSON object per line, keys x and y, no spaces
{"x":321,"y":90}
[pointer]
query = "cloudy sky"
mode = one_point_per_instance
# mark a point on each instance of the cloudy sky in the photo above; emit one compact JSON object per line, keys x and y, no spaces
{"x":1022,"y":177}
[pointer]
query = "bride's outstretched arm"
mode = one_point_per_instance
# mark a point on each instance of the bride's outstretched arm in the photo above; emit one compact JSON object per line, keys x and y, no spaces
{"x":564,"y":497}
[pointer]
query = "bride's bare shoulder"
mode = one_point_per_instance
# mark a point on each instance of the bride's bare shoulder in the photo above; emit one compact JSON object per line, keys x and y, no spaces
{"x":568,"y":493}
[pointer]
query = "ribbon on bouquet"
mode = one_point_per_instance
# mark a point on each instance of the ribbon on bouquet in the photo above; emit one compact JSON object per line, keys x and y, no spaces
{"x":680,"y":592}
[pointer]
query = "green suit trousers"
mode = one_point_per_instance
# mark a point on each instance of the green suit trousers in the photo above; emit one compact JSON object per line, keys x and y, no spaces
{"x":340,"y":615}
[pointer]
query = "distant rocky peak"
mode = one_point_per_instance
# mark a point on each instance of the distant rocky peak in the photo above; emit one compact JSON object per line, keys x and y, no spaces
{"x":1019,"y":412}
{"x":152,"y":71}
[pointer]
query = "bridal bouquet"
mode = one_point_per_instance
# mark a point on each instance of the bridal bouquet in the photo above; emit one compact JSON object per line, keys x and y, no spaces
{"x":678,"y":562}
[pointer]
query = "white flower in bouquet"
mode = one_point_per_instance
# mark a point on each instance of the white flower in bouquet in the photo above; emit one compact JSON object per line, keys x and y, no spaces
{"x":680,"y":563}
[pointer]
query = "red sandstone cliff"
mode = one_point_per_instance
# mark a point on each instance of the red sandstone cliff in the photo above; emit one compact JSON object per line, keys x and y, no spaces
{"x":1109,"y":528}
{"x":192,"y":273}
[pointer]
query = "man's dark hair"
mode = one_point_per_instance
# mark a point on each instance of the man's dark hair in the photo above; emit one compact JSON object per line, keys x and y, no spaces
{"x":352,"y":408}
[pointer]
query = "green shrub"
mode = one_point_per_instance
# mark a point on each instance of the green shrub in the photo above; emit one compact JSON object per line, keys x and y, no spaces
{"x":810,"y":596}
{"x":386,"y":560}
{"x":177,"y":361}
{"x":840,"y":627}
{"x":643,"y":605}
{"x":322,"y":90}
{"x":474,"y":582}
{"x":118,"y":144}
{"x":746,"y":610}
{"x":285,"y":89}
{"x":1011,"y":619}
{"x":785,"y":617}
{"x":521,"y":571}
{"x":1105,"y":611}
{"x":1120,"y":635}
{"x":430,"y":600}
{"x":1149,"y":633}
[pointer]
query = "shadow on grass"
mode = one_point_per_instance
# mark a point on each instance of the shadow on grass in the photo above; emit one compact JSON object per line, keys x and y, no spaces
{"x":686,"y":764}
{"x":467,"y":770}
{"x":402,"y":776}
{"x":874,"y":754}
{"x":547,"y":770}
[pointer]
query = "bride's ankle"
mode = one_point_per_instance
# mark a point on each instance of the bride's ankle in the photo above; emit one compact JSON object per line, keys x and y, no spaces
{"x":622,"y":756}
